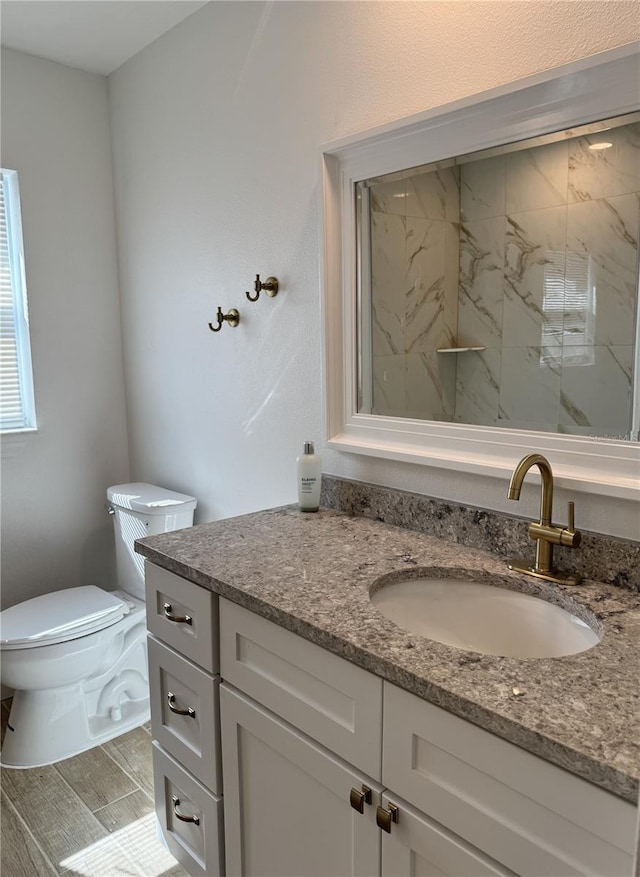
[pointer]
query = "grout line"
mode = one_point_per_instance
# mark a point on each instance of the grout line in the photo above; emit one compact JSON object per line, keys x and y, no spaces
{"x":12,"y":806}
{"x":124,"y":771}
{"x":150,"y":797}
{"x":117,"y":800}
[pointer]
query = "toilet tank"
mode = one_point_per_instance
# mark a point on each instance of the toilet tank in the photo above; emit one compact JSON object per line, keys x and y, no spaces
{"x":141,"y":509}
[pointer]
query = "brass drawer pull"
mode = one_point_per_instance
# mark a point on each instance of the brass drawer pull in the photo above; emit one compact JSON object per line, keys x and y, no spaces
{"x":176,"y":802}
{"x":384,"y":818}
{"x":171,"y":698}
{"x":178,"y":619}
{"x":359,"y":799}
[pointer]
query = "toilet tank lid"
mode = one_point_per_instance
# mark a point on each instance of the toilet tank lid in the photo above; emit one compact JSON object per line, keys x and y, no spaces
{"x":59,"y":616}
{"x":149,"y":499}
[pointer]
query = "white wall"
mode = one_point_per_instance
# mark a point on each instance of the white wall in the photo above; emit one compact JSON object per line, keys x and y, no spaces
{"x":55,"y":133}
{"x":216,"y":133}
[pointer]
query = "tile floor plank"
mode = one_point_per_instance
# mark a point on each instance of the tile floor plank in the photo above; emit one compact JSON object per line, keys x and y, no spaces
{"x":95,"y":778}
{"x":121,"y":813}
{"x":132,"y":751}
{"x":59,"y":821}
{"x":20,"y":856}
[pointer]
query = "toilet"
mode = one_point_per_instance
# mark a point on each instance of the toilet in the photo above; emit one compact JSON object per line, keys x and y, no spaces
{"x":77,"y":658}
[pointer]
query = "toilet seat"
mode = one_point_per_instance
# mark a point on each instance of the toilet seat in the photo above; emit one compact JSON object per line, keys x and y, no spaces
{"x":59,"y":617}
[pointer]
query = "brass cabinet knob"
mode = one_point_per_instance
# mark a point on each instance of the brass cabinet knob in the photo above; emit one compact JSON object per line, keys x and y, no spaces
{"x":358,"y":799}
{"x":384,"y":818}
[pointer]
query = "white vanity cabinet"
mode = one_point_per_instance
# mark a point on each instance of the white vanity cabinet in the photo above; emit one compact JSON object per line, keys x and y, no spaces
{"x":329,"y":771}
{"x":302,"y":727}
{"x":184,"y":681}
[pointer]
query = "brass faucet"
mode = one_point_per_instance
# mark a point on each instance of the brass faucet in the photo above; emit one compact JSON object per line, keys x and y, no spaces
{"x":544,"y":532}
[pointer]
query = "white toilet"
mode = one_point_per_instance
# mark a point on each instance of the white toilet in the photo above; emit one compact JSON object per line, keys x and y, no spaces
{"x":77,"y":658}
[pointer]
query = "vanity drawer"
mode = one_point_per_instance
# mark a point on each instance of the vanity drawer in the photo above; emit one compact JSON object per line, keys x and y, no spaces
{"x":336,"y":703}
{"x":533,"y":817}
{"x":199,"y":847}
{"x":185,"y":712}
{"x":183,"y":615}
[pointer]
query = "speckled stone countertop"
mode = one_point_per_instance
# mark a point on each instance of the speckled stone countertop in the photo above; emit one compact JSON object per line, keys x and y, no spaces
{"x":312,"y":574}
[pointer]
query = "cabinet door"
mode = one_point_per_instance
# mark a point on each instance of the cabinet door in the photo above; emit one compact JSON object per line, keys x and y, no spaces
{"x":418,"y":847}
{"x":287,"y":801}
{"x":534,"y":817}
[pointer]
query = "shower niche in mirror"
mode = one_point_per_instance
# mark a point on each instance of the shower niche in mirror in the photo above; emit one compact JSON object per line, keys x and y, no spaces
{"x":500,"y":288}
{"x":481,"y":280}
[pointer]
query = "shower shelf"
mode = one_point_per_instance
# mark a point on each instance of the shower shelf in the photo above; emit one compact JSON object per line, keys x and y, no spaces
{"x":458,"y":349}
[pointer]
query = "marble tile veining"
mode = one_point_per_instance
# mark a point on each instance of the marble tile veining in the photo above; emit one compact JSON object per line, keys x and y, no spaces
{"x":482,"y":247}
{"x":312,"y":574}
{"x":537,"y":177}
{"x":534,"y":278}
{"x":602,"y":173}
{"x":482,"y":188}
{"x":478,"y":387}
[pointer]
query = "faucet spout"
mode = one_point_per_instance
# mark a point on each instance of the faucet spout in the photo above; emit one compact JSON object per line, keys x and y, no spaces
{"x":546,"y":496}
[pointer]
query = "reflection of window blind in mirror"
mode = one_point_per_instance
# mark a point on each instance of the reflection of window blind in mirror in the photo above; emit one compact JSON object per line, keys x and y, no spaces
{"x":568,"y":309}
{"x":579,"y":311}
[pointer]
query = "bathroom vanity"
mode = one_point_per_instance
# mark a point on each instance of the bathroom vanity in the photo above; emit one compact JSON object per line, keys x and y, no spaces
{"x":298,"y":731}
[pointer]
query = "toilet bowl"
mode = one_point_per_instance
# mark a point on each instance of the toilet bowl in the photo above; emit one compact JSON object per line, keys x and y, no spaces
{"x":77,"y":658}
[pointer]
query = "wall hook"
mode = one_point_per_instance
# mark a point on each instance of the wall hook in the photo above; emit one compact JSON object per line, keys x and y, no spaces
{"x":232,"y":318}
{"x":270,"y":286}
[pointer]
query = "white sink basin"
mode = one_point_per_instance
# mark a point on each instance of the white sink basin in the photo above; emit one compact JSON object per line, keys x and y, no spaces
{"x":484,"y":618}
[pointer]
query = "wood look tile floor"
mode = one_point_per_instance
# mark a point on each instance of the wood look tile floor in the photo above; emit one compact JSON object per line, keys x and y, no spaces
{"x":87,"y":816}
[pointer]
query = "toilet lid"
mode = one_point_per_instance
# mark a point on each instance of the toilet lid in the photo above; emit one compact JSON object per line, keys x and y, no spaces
{"x":59,"y":616}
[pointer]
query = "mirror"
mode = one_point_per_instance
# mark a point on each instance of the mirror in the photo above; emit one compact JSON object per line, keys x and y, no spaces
{"x":481,"y":280}
{"x":501,"y":288}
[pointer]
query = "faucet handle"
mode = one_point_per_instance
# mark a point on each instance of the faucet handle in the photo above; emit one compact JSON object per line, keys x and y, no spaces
{"x":569,"y":535}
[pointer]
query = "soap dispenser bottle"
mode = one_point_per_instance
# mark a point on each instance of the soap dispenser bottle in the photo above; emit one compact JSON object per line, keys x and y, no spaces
{"x":308,"y":467}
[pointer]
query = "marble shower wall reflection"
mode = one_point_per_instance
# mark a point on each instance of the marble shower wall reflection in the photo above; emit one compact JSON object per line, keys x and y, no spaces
{"x":530,"y":254}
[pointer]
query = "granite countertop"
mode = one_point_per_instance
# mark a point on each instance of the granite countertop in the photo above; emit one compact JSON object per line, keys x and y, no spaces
{"x":312,"y":573}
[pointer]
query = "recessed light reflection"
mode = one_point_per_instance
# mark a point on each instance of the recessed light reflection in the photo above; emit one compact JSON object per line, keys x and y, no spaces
{"x":604,"y":144}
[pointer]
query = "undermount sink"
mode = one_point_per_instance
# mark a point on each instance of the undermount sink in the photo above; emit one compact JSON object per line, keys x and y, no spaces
{"x":483,"y":618}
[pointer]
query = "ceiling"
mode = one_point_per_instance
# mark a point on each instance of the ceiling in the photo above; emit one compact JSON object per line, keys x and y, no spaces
{"x":93,"y":35}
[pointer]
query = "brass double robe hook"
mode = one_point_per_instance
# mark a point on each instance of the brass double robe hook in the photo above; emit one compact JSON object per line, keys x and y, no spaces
{"x":232,"y":318}
{"x":270,"y":286}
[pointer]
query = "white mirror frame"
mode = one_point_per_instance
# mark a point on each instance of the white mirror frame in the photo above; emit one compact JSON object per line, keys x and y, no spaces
{"x":603,"y":86}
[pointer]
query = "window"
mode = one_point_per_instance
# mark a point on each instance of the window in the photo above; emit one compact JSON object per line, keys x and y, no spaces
{"x":17,"y":409}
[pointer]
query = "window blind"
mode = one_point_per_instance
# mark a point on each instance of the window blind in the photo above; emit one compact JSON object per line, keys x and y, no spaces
{"x":17,"y":410}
